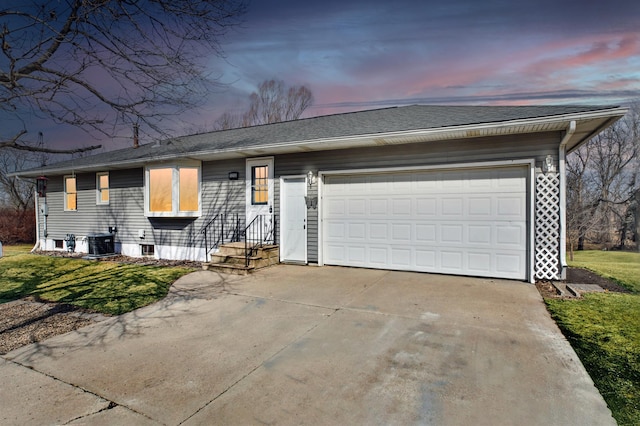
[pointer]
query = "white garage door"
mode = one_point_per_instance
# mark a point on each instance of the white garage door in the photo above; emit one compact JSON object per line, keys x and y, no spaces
{"x":462,"y":222}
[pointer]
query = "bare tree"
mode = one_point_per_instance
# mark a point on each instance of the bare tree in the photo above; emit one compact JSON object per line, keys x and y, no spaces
{"x":602,"y":183}
{"x":18,"y":192}
{"x":17,"y":218}
{"x":272,"y":103}
{"x":229,"y":120}
{"x":105,"y":65}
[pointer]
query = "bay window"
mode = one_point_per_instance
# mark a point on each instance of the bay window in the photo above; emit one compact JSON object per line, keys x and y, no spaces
{"x":172,"y":191}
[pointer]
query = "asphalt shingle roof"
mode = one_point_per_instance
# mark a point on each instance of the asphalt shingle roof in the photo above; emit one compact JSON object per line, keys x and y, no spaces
{"x":369,"y":122}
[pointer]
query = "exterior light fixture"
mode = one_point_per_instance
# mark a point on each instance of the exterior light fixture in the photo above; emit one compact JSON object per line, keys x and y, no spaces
{"x":310,"y":178}
{"x":549,"y":166}
{"x":41,"y":186}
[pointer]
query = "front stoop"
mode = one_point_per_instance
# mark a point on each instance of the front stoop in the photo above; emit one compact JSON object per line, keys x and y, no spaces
{"x":230,"y":258}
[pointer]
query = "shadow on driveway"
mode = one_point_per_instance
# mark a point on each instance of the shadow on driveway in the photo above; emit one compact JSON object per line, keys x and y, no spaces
{"x":319,"y":345}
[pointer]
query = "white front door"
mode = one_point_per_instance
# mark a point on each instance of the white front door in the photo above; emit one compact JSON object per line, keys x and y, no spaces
{"x":259,"y":177}
{"x":293,"y":221}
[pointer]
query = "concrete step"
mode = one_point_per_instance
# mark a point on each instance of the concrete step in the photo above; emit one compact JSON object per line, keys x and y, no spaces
{"x":227,"y":268}
{"x":230,"y":258}
{"x":217,"y":258}
{"x":238,"y":249}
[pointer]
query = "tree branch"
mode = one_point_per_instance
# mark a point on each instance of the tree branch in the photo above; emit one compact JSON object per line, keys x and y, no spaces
{"x":15,"y":144}
{"x":54,"y":151}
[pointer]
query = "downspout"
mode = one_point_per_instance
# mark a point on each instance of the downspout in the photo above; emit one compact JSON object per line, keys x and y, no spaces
{"x":37,"y":213}
{"x":562,"y":155}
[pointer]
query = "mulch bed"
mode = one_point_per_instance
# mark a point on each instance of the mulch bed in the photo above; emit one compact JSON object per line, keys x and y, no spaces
{"x":580,"y":276}
{"x":584,"y":276}
{"x":27,"y":321}
{"x":144,"y":261}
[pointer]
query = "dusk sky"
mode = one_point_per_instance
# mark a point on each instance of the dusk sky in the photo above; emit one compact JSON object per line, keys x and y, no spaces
{"x":357,"y":55}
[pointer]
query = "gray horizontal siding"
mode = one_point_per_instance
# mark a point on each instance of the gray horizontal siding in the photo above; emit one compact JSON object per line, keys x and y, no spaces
{"x":126,"y":207}
{"x":219,"y":194}
{"x":83,"y":221}
{"x":417,"y":155}
{"x":513,"y":147}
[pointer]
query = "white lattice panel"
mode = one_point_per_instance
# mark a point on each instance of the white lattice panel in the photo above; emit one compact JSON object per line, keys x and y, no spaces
{"x":547,"y":226}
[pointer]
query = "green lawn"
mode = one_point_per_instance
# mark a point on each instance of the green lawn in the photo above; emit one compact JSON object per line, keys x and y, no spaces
{"x":108,"y":287}
{"x":604,"y":330}
{"x":620,"y":266}
{"x":16,"y":249}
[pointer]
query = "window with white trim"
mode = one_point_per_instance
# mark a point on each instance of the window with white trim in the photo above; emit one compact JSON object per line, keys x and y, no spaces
{"x":70,"y":194}
{"x":172,"y":191}
{"x":102,"y":188}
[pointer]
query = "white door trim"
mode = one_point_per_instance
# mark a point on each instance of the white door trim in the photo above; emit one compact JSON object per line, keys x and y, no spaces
{"x":530,"y":163}
{"x":282,"y":209}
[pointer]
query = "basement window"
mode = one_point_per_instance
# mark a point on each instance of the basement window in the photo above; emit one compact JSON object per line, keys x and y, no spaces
{"x":147,"y":249}
{"x":58,"y":244}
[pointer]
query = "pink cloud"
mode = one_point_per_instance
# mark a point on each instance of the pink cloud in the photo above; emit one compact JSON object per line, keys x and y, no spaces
{"x":590,"y":53}
{"x":551,"y":66}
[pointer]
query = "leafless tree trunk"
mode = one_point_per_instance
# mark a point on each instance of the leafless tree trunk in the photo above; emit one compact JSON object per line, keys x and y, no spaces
{"x":104,"y":65}
{"x":18,"y":193}
{"x":272,"y":103}
{"x":17,"y":218}
{"x":602,"y":180}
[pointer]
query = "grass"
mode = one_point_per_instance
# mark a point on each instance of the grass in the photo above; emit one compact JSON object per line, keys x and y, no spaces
{"x":108,"y":287}
{"x":604,"y":330}
{"x":15,"y":249}
{"x":622,"y":267}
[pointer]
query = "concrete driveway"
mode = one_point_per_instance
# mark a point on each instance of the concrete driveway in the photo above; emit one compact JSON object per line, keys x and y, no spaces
{"x":311,"y":345}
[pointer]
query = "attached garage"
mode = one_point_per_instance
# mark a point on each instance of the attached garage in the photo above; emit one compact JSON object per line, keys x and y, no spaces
{"x":464,"y":221}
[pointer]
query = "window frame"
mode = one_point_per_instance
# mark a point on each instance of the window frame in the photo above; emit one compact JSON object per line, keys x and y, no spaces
{"x":175,"y":190}
{"x":99,"y":189}
{"x":67,"y":193}
{"x":147,"y":250}
{"x":259,"y":188}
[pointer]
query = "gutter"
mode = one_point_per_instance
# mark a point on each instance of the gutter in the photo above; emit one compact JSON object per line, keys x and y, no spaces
{"x":562,"y":156}
{"x":596,"y":131}
{"x":526,"y":125}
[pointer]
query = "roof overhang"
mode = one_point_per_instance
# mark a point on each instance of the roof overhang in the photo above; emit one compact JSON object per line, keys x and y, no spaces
{"x":588,"y":124}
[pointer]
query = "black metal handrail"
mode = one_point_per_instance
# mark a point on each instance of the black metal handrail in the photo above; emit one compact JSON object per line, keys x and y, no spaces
{"x":223,"y":228}
{"x":261,"y":230}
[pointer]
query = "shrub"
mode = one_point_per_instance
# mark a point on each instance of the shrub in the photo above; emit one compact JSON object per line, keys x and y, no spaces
{"x":17,"y":226}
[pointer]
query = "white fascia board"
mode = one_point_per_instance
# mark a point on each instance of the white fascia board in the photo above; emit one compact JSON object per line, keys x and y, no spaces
{"x":464,"y":131}
{"x":526,"y":125}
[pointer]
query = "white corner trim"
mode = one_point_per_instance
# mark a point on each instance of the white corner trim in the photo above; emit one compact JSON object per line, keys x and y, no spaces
{"x":562,"y":168}
{"x":532,"y":222}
